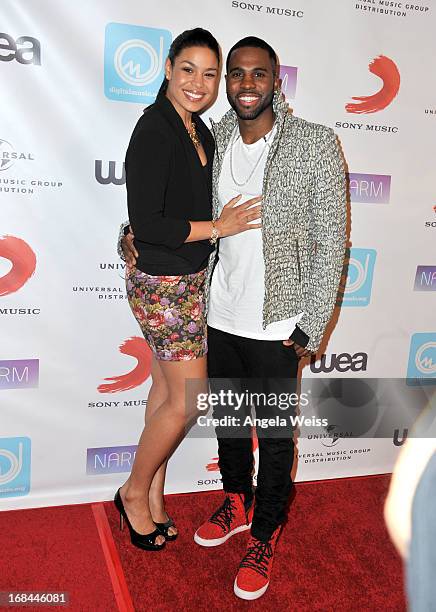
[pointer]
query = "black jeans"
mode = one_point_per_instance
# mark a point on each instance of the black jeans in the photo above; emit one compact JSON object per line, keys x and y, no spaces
{"x":256,"y":365}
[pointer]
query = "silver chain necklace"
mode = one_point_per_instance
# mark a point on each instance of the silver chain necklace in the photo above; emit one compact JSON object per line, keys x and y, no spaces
{"x":236,"y":134}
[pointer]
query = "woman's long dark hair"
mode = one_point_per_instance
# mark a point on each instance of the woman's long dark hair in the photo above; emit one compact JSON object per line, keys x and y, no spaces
{"x":190,"y":38}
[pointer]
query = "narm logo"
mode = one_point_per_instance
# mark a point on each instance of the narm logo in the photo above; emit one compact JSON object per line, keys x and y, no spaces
{"x":111,"y":175}
{"x":110,"y":460}
{"x":369,"y":188}
{"x":19,"y":373}
{"x":288,"y":78}
{"x":425,"y":278}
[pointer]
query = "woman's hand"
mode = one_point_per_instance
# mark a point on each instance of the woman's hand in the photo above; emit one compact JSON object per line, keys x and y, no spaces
{"x":130,"y":253}
{"x":236,"y":218}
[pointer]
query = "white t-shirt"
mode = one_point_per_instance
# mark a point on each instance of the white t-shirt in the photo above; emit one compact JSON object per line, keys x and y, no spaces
{"x":238,"y":285}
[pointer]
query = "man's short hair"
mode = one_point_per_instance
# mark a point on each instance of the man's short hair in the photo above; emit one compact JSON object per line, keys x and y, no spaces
{"x":257,"y":43}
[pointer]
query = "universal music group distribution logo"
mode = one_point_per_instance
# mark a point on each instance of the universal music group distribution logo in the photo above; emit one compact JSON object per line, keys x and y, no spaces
{"x":134,"y":61}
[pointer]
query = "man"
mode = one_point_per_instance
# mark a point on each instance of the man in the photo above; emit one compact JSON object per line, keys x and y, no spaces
{"x":272,"y":290}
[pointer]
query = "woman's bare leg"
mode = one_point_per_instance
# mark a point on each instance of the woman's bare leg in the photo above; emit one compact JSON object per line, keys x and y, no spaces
{"x":158,"y":394}
{"x":164,"y":430}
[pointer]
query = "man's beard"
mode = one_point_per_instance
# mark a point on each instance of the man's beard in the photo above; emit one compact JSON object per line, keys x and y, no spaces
{"x":248,"y":115}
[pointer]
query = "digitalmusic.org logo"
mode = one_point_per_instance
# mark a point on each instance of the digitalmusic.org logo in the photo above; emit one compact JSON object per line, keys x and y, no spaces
{"x":357,"y":284}
{"x":15,"y":456}
{"x":369,"y":188}
{"x":387,"y":71}
{"x":19,"y":373}
{"x":138,"y":348}
{"x":288,"y":78}
{"x":23,"y":261}
{"x":134,"y":61}
{"x":422,"y":359}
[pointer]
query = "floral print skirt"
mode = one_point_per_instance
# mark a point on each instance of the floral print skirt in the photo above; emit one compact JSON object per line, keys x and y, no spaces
{"x":170,"y":312}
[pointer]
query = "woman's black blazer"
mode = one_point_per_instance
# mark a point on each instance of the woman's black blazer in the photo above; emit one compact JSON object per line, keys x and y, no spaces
{"x":166,"y":188}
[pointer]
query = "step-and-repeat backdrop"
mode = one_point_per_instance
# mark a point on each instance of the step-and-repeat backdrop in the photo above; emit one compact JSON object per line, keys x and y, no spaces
{"x":74,"y":370}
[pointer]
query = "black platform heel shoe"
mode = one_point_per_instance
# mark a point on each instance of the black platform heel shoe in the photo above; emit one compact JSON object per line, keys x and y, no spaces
{"x":143,"y":541}
{"x":163,"y":528}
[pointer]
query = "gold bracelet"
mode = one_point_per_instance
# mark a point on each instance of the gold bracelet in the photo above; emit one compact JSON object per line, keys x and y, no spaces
{"x":215,"y":233}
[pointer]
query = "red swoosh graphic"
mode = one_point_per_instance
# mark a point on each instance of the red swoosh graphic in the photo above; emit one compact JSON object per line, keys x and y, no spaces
{"x":386,"y":69}
{"x":138,"y":348}
{"x":23,"y":261}
{"x":214,"y":467}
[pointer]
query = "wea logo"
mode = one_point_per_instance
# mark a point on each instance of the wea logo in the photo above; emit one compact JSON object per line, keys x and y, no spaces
{"x":109,"y":173}
{"x":344,"y":362}
{"x":14,"y":466}
{"x":356,"y":286}
{"x":422,"y":359}
{"x":134,"y":59}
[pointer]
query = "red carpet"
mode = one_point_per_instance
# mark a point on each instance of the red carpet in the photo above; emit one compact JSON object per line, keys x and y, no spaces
{"x":334,"y":554}
{"x":55,"y":549}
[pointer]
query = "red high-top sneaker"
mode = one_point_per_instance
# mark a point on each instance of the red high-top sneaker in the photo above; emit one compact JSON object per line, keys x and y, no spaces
{"x":230,"y":518}
{"x":254,"y":571}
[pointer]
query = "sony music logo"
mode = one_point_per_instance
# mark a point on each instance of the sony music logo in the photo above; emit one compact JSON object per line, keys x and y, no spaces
{"x":367,"y":127}
{"x":269,"y":10}
{"x":20,"y":311}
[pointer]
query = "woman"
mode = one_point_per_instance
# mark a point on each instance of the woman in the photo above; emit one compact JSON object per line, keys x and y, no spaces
{"x":168,"y":175}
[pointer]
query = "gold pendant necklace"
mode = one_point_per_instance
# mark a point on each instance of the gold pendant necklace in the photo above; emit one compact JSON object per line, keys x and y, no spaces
{"x":193,"y":135}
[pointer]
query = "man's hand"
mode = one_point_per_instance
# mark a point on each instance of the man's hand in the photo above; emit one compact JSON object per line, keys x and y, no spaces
{"x":130,"y":253}
{"x":300,"y":350}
